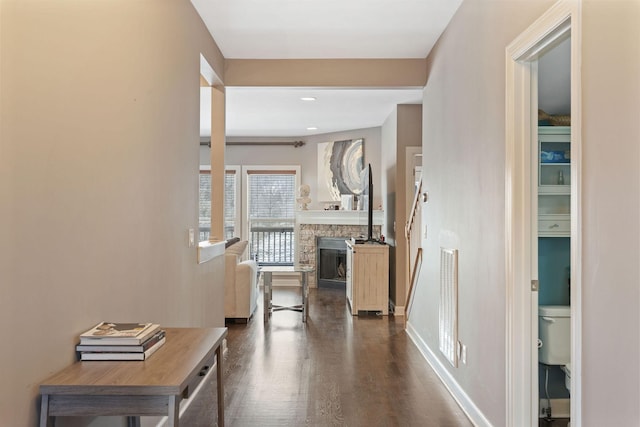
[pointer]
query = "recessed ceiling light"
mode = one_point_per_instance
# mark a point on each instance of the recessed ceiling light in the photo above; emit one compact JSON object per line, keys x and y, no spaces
{"x":308,"y":98}
{"x":312,"y":128}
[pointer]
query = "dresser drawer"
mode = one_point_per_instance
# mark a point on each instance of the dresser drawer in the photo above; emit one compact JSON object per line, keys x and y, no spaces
{"x":554,"y":225}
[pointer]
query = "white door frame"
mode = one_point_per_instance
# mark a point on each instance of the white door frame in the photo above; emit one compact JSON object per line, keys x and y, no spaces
{"x":520,"y":220}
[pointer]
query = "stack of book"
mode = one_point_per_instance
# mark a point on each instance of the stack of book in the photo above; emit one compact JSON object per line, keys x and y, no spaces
{"x":120,"y":341}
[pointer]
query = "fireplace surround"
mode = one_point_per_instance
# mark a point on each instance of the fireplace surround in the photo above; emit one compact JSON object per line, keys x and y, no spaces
{"x":341,"y":225}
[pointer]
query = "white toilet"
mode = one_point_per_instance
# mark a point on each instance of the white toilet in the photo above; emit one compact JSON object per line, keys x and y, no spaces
{"x":554,"y":330}
{"x":567,"y":376}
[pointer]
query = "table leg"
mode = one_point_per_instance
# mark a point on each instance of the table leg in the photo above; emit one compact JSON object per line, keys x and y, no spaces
{"x":133,"y":421}
{"x":220,"y":383}
{"x":305,"y":297}
{"x":266,"y":278}
{"x":270,"y":292}
{"x":173,"y":417}
{"x":44,"y":412}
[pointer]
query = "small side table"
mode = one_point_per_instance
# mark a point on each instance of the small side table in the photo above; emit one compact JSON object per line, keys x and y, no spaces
{"x":269,"y":307}
{"x":138,"y":388}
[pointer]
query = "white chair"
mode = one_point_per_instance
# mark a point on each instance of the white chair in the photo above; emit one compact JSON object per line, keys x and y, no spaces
{"x":240,"y":283}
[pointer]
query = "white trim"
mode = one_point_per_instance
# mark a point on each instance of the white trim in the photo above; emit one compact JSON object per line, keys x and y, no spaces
{"x":245,"y":196}
{"x":521,"y":354}
{"x":238,"y":198}
{"x":457,"y":392}
{"x":210,"y":250}
{"x":576,"y":216}
{"x":339,"y":217}
{"x":207,"y":72}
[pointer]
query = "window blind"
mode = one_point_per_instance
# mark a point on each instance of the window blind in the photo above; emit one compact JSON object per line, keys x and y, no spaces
{"x":272,"y":196}
{"x":230,"y":183}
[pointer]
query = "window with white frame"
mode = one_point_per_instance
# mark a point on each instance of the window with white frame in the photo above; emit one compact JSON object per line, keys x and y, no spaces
{"x":232,"y":202}
{"x":270,"y":213}
{"x":204,"y":204}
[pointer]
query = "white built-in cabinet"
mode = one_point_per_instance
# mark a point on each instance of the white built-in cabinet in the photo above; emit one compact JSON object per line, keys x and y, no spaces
{"x":368,"y":277}
{"x":554,"y":181}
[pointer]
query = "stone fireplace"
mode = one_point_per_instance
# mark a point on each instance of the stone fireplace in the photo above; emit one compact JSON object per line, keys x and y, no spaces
{"x":338,"y":225}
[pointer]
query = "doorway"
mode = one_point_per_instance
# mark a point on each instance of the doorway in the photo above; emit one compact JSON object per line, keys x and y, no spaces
{"x":521,"y":218}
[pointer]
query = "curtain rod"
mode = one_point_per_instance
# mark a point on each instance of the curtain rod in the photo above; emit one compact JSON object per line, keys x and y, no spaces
{"x":295,"y":144}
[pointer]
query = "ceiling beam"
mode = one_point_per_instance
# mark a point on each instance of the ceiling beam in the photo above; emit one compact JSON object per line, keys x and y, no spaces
{"x":323,"y":73}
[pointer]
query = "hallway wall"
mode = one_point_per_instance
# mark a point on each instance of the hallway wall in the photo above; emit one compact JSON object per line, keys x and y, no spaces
{"x":464,"y":173}
{"x":611,"y":209}
{"x":98,"y":180}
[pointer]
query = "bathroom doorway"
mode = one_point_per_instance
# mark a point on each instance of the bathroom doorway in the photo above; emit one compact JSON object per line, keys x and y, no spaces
{"x":559,"y":24}
{"x":553,"y":177}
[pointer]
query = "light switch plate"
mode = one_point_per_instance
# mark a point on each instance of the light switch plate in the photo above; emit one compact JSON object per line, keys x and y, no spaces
{"x":192,"y":237}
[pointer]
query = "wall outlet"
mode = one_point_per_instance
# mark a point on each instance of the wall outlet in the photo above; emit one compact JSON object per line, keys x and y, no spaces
{"x":463,"y":354}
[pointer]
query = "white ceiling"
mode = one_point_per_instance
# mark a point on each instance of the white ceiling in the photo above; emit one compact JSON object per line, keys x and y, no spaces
{"x":279,"y":112}
{"x":316,"y":29}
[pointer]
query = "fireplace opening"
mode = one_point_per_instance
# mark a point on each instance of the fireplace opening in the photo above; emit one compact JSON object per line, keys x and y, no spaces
{"x":331,"y":265}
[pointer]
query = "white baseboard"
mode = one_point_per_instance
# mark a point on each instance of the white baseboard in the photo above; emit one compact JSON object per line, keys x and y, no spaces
{"x":560,"y":408}
{"x":473,"y":412}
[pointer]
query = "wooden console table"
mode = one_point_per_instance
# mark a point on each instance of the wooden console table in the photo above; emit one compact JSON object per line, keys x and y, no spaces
{"x":138,"y":388}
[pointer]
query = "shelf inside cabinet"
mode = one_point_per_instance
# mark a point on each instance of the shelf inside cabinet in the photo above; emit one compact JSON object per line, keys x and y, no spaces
{"x":554,"y":205}
{"x":560,"y":190}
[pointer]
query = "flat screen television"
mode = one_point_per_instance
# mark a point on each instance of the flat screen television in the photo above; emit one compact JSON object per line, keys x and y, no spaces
{"x":367,"y":194}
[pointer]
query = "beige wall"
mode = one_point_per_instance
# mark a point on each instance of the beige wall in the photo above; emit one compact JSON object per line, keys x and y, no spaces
{"x":409,"y":135}
{"x":98,"y":179}
{"x":611,"y":207}
{"x":366,"y":73}
{"x":307,"y":157}
{"x":463,"y":170}
{"x":403,"y":128}
{"x":389,"y":156}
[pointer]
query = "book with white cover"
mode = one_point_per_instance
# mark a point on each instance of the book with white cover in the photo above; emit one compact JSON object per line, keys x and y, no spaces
{"x":107,"y":355}
{"x":110,"y":333}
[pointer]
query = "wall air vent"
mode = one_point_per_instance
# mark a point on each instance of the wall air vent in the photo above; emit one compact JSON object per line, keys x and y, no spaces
{"x":448,"y":308}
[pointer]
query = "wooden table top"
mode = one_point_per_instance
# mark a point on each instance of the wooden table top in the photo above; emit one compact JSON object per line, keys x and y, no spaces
{"x":167,"y":372}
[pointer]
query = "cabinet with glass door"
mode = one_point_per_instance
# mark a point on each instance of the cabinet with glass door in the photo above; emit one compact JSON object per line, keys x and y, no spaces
{"x":554,"y":181}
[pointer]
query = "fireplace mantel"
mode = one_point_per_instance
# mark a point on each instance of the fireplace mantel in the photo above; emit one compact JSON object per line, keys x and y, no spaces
{"x":341,"y":224}
{"x":338,"y":217}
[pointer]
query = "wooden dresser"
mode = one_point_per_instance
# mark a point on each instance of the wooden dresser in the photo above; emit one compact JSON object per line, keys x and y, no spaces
{"x":368,"y":277}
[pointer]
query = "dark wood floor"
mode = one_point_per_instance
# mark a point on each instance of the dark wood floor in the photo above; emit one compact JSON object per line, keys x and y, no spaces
{"x":337,"y":370}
